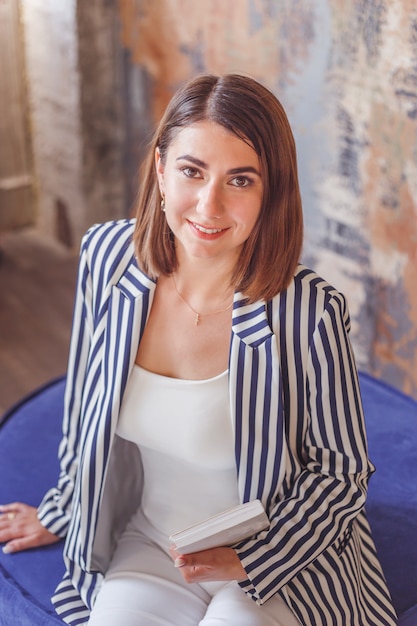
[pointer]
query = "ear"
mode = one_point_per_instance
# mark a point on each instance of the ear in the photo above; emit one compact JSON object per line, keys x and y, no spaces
{"x":159,"y":170}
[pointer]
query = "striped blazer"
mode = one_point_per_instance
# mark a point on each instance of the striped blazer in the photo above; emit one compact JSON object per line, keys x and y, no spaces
{"x":300,"y":441}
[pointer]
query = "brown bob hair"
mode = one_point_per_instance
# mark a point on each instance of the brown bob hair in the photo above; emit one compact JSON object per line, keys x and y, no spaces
{"x":249,"y":110}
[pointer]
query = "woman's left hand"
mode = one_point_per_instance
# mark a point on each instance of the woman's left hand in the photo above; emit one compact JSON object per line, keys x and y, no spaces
{"x":209,"y":565}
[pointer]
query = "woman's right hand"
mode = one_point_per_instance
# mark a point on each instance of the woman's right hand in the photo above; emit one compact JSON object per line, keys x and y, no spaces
{"x":21,"y":529}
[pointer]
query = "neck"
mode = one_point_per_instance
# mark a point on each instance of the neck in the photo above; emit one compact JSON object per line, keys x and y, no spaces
{"x":209,"y":279}
{"x":204,"y":288}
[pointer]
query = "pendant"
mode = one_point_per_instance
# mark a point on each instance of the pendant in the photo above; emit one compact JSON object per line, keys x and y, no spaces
{"x":197,"y":319}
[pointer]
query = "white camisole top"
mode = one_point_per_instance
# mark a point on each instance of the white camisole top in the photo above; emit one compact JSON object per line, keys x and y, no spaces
{"x":184,"y":432}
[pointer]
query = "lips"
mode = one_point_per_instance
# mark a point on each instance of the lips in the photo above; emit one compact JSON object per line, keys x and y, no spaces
{"x":207,"y":231}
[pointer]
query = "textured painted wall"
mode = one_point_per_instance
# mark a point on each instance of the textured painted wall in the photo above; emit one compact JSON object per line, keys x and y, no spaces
{"x":53,"y":81}
{"x":75,"y":75}
{"x":347,"y":74}
{"x":367,"y":186}
{"x":102,"y":110}
{"x":172,"y":40}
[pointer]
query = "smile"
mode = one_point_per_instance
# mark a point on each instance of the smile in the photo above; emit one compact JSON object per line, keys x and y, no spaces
{"x":207,"y":231}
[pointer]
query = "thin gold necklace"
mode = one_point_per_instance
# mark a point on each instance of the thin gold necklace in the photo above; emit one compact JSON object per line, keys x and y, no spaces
{"x":196,"y":313}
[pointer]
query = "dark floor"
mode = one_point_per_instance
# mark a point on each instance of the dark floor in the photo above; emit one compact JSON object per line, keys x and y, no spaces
{"x":37,"y":284}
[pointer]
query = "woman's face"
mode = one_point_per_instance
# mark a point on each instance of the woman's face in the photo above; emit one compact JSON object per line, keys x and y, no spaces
{"x":213,"y":188}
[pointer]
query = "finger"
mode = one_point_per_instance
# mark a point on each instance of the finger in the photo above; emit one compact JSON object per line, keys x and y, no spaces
{"x":6,"y":519}
{"x":178,"y":558}
{"x":34,"y":540}
{"x":6,"y":535}
{"x":9,"y":512}
{"x":9,"y":526}
{"x":194,"y":563}
{"x":173,"y":552}
{"x":12,"y":506}
{"x":23,"y":543}
{"x":16,"y":511}
{"x":180,"y":561}
{"x":196,"y":573}
{"x":198,"y":559}
{"x":11,"y":531}
{"x":10,"y":519}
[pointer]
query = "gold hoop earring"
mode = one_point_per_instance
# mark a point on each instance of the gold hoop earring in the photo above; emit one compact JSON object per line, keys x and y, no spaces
{"x":163,"y":204}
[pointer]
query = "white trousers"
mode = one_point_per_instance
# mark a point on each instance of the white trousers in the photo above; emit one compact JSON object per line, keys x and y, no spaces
{"x":143,"y":588}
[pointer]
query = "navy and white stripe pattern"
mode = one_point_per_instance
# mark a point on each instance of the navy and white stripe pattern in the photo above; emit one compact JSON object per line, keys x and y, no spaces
{"x":299,"y":439}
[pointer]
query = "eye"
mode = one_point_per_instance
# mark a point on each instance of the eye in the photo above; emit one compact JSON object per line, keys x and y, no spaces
{"x":241,"y":181}
{"x":190,"y":172}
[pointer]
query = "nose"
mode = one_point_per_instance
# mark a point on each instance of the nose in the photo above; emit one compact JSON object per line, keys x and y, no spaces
{"x":210,"y":201}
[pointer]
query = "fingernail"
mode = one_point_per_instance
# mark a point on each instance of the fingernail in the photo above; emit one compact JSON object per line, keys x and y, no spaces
{"x":7,"y":550}
{"x":179,"y":561}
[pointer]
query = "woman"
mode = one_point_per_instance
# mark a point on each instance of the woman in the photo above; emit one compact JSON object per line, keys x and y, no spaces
{"x":208,"y":367}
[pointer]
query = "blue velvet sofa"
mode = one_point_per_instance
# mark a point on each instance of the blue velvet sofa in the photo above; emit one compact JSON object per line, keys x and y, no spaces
{"x":29,"y":437}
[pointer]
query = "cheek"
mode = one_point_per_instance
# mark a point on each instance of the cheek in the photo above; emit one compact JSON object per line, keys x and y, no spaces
{"x":177,"y":206}
{"x":178,"y":193}
{"x":251,"y":214}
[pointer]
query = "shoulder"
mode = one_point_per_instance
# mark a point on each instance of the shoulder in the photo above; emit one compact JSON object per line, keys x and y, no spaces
{"x":307,"y":284}
{"x":108,"y":236}
{"x":308,"y":281}
{"x":107,"y":252}
{"x":308,"y":297}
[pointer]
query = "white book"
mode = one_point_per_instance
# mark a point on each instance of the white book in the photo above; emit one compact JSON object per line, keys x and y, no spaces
{"x":223,"y":529}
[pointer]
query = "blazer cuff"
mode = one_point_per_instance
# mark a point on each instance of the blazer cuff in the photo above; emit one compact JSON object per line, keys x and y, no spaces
{"x":52,"y":516}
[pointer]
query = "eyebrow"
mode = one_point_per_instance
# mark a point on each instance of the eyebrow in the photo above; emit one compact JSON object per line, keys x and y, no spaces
{"x":202,"y":164}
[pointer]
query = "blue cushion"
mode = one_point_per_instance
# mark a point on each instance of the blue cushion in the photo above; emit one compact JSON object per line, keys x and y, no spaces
{"x":391,"y":420}
{"x":29,"y":438}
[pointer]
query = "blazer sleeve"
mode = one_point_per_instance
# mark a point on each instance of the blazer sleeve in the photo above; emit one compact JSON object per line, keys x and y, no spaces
{"x":55,"y":509}
{"x":318,"y":504}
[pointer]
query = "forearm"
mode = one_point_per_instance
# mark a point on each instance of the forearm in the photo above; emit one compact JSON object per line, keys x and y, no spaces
{"x":304,"y":524}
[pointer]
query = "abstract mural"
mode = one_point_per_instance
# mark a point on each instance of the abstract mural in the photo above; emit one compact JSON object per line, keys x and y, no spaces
{"x":346,"y":73}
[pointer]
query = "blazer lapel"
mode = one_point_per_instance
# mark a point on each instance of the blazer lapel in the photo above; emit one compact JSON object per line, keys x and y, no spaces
{"x":256,"y":402}
{"x":128,"y":308}
{"x":131,"y":302}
